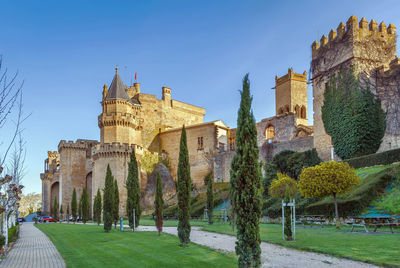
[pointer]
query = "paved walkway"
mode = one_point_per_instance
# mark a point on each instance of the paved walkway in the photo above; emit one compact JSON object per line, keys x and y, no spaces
{"x":271,"y":256}
{"x":33,"y":249}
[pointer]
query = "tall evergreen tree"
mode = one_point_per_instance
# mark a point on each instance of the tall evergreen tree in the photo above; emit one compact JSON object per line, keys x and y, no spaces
{"x":108,"y":204}
{"x":158,"y":204}
{"x":97,"y":207}
{"x":74,"y":205}
{"x":270,"y":174}
{"x":133,"y":191}
{"x":80,"y":208}
{"x":85,"y":205}
{"x":116,"y":204}
{"x":210,"y":196}
{"x":184,"y":190}
{"x":55,"y":209}
{"x":61,"y":213}
{"x":68,"y":212}
{"x":245,"y":184}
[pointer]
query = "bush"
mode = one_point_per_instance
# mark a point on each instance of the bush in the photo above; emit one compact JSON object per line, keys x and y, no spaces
{"x":361,"y":197}
{"x":2,"y":241}
{"x":292,"y":163}
{"x":283,"y":184}
{"x":384,"y":158}
{"x":13,"y":233}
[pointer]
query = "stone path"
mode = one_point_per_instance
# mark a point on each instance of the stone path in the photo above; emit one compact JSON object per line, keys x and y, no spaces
{"x":272,"y":255}
{"x":32,"y":249}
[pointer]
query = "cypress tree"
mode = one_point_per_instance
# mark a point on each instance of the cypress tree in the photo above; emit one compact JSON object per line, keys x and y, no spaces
{"x":97,"y":209}
{"x":158,"y":204}
{"x":210,"y":197}
{"x":184,"y":189}
{"x":61,"y":213}
{"x":94,"y":208}
{"x":108,"y":203}
{"x":80,"y":209}
{"x":68,"y":212}
{"x":288,"y":219}
{"x":133,"y":191}
{"x":116,"y":204}
{"x":55,"y":209}
{"x":74,"y":205}
{"x":245,"y":184}
{"x":85,"y":205}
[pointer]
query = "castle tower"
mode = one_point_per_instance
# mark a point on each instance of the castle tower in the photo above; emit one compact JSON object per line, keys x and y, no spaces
{"x":368,"y":48}
{"x":119,"y":121}
{"x":291,"y":95}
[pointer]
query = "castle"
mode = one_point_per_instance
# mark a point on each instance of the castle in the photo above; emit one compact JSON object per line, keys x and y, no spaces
{"x":131,"y":120}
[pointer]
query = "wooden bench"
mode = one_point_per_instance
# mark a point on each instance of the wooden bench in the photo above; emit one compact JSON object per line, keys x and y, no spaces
{"x":311,"y":219}
{"x":375,"y":222}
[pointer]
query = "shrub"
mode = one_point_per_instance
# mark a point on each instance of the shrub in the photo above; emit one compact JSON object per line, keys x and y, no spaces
{"x":361,"y":197}
{"x":328,"y":178}
{"x":280,"y":160}
{"x":383,"y":158}
{"x":270,"y":174}
{"x":2,"y":241}
{"x":279,"y":186}
{"x":13,"y":233}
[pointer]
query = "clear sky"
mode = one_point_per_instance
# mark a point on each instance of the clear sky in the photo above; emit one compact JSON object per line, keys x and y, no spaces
{"x":65,"y":51}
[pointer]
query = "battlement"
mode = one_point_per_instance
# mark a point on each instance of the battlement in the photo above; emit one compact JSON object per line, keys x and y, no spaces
{"x":115,"y":149}
{"x":290,"y":76}
{"x":357,"y":31}
{"x":393,"y":66}
{"x":78,"y":145}
{"x":124,"y":119}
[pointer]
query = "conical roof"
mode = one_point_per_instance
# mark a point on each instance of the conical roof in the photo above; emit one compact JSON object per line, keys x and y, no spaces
{"x":117,"y":89}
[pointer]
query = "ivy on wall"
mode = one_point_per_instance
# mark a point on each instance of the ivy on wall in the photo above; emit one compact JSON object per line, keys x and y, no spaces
{"x":352,"y":116}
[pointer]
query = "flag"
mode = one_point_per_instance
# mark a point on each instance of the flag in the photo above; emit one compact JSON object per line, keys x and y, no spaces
{"x":135,"y":76}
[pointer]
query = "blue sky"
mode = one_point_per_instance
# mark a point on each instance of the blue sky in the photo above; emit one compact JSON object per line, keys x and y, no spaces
{"x":65,"y":51}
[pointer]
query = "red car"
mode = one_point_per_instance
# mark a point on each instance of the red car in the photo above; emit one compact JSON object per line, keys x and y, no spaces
{"x":46,"y":219}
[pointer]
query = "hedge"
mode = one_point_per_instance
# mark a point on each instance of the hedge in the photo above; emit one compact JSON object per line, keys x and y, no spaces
{"x":384,"y":158}
{"x":13,"y":233}
{"x":360,"y":198}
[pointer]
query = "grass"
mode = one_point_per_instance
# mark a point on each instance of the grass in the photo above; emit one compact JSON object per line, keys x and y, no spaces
{"x":380,"y":249}
{"x":167,"y":223}
{"x":89,"y":246}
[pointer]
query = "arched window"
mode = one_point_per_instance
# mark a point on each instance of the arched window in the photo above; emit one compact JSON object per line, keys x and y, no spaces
{"x":269,"y":132}
{"x":303,"y":112}
{"x":287,"y":109}
{"x":297,"y":111}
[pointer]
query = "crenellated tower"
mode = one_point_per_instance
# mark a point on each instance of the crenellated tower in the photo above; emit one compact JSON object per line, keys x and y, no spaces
{"x":119,"y":120}
{"x":291,"y":95}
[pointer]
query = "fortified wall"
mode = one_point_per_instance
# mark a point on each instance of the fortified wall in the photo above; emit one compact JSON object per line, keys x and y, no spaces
{"x":371,"y":50}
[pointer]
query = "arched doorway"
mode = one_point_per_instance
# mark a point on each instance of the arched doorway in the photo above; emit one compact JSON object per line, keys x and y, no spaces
{"x":54,"y":193}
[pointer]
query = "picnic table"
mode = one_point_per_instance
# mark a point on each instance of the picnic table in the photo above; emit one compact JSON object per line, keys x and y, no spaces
{"x":311,"y":219}
{"x":372,"y":221}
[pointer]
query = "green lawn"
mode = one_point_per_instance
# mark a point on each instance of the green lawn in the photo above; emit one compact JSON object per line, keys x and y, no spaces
{"x":381,"y":249}
{"x":89,"y":246}
{"x":167,"y":223}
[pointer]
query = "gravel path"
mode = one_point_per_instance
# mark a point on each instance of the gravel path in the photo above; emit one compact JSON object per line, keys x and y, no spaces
{"x":32,"y":249}
{"x":272,"y":255}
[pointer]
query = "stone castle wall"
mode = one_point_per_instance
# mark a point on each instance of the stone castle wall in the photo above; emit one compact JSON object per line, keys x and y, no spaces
{"x":367,"y":48}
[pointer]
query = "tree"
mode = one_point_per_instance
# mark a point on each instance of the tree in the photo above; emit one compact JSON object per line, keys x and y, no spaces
{"x":97,"y":208}
{"x":74,"y":205}
{"x":85,"y":205}
{"x":328,"y":178}
{"x":184,"y":190}
{"x":55,"y":209}
{"x":246,"y":183}
{"x":68,"y":212}
{"x":30,"y":203}
{"x":80,"y":209}
{"x":352,"y":116}
{"x":210,"y":197}
{"x":133,"y":192}
{"x":116,"y":204}
{"x":283,"y":184}
{"x":61,"y":213}
{"x":108,"y":204}
{"x":288,"y":217}
{"x":270,"y":174}
{"x":158,"y":204}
